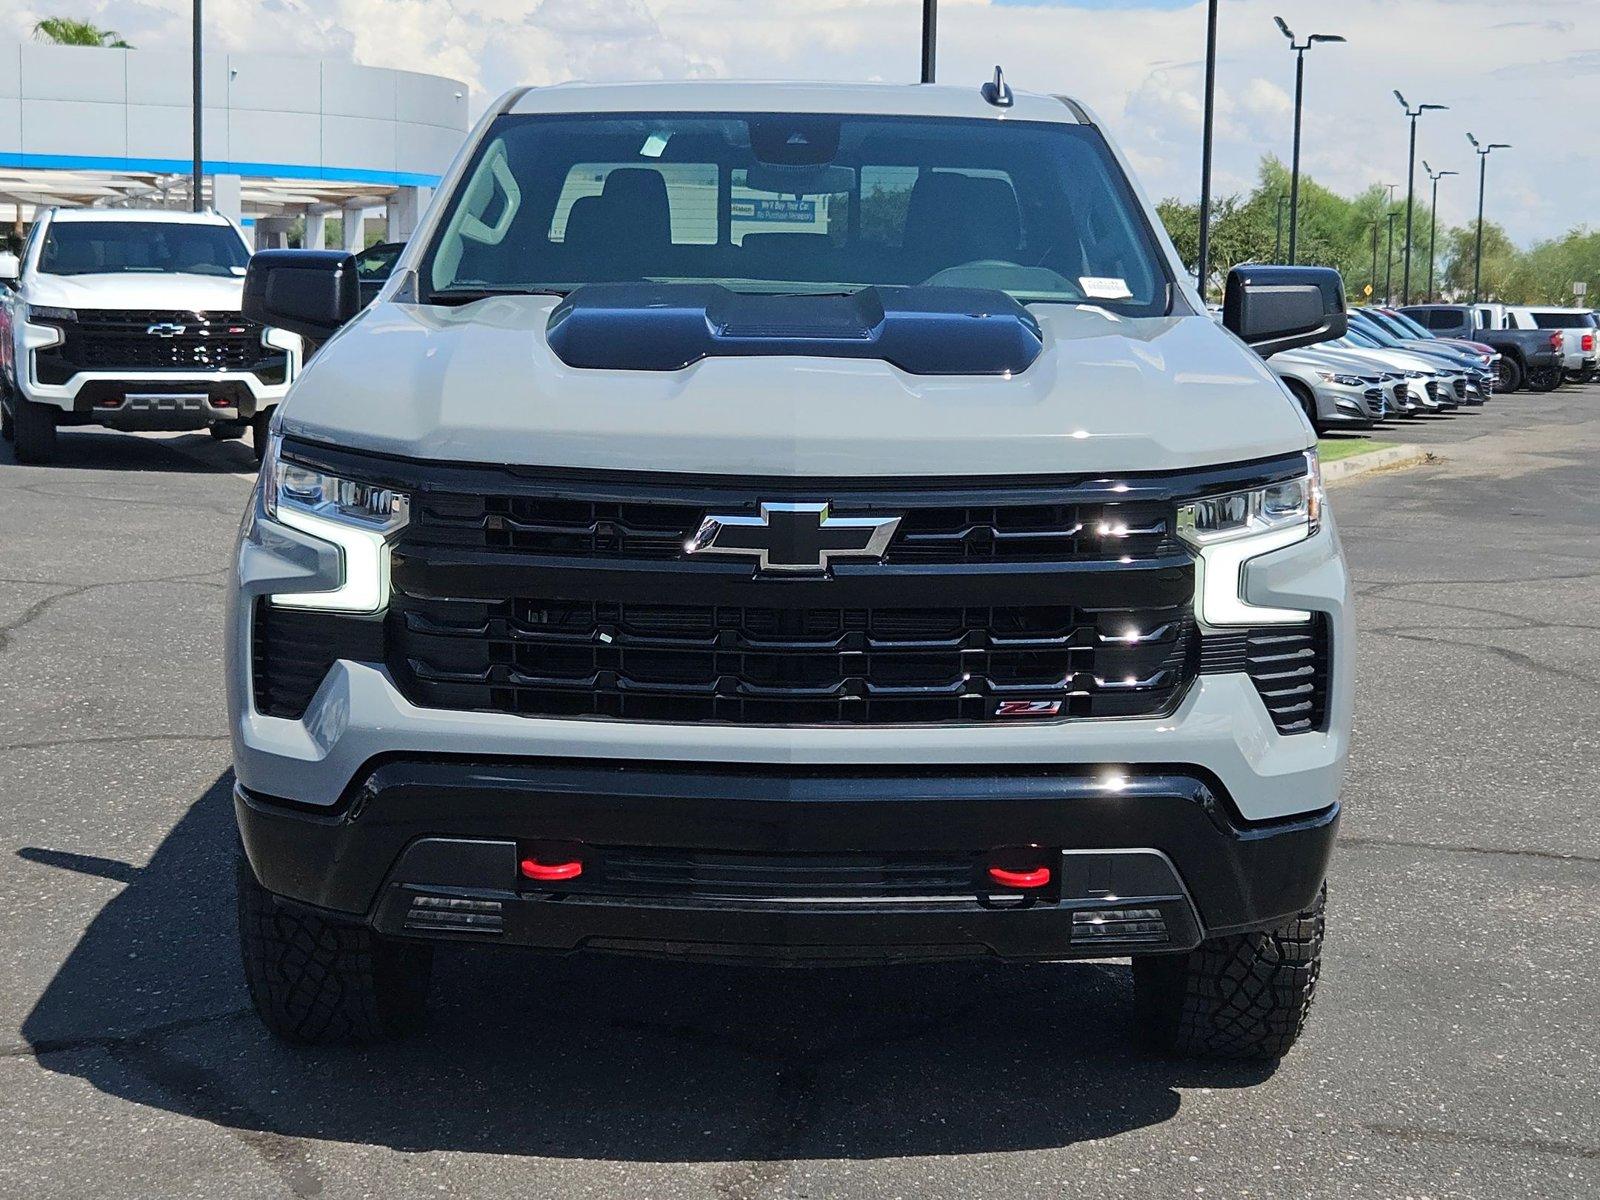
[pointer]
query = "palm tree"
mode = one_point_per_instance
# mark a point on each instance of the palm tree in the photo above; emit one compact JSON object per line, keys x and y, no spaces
{"x":64,"y":31}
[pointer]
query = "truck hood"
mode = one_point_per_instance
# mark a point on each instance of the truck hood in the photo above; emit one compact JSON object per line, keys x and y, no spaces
{"x":189,"y":293}
{"x":480,"y":383}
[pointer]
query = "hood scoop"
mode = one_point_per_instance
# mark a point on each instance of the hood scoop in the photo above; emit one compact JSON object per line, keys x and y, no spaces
{"x":669,"y":326}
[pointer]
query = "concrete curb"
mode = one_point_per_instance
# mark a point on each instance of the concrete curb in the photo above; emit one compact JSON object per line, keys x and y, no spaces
{"x":1393,"y":458}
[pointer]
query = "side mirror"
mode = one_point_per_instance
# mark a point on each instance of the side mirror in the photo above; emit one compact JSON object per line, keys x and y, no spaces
{"x":309,"y":292}
{"x":10,"y":267}
{"x":1274,"y":309}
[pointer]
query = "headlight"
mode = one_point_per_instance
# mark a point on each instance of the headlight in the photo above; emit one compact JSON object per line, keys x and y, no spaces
{"x":43,"y":312}
{"x":357,"y":517}
{"x":1341,"y":380}
{"x":1231,"y":529}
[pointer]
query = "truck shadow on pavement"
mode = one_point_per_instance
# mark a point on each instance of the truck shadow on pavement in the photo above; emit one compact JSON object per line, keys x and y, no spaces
{"x":91,"y":449}
{"x":594,"y":1057}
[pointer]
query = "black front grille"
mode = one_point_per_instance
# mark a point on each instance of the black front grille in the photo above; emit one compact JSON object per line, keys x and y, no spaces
{"x":1289,"y":664}
{"x":1460,"y":386}
{"x":291,"y":651}
{"x":804,"y":665}
{"x":557,"y":593}
{"x":121,"y":339}
{"x":932,"y":530}
{"x":666,"y":871}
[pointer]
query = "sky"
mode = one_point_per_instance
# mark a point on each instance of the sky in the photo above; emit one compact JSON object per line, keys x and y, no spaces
{"x":1520,"y":71}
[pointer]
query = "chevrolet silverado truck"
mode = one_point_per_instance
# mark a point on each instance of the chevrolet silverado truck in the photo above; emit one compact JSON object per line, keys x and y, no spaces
{"x":790,"y":523}
{"x":1532,"y":358}
{"x":130,"y":319}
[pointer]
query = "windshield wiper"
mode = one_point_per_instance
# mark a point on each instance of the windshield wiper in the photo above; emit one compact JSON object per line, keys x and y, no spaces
{"x":470,"y":295}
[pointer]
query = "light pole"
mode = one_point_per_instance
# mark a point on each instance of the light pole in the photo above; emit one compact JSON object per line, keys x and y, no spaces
{"x":1388,"y":269}
{"x":1411,"y":183}
{"x":930,"y":30}
{"x":196,"y":201}
{"x":1483,"y":173}
{"x":1205,"y":148}
{"x":1433,"y":221}
{"x":1277,"y":244}
{"x":1372,"y":290}
{"x":1299,"y":102}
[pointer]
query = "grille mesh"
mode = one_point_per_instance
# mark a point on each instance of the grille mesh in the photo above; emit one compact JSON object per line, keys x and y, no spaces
{"x":934,"y":533}
{"x":109,"y":339}
{"x":761,"y":665}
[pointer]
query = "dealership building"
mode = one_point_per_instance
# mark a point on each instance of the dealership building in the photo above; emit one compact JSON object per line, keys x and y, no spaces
{"x":284,"y":139}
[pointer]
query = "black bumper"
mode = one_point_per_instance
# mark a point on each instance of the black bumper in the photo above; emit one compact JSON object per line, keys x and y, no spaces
{"x":792,"y":864}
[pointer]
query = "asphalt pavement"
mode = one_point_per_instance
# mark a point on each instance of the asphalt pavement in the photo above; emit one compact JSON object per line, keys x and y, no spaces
{"x":1454,"y":1050}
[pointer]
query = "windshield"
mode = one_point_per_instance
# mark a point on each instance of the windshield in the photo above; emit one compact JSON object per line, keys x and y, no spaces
{"x":1405,"y":325}
{"x":1373,"y":330}
{"x":141,"y":248}
{"x":783,"y":203}
{"x":1559,"y":320}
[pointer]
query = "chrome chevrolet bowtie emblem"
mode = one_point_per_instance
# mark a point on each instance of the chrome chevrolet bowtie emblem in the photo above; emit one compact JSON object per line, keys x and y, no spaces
{"x":166,"y":329}
{"x":794,"y":537}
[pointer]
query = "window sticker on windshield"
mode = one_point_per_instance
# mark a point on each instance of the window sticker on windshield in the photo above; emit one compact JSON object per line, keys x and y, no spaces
{"x":1102,"y":288}
{"x":654,"y":145}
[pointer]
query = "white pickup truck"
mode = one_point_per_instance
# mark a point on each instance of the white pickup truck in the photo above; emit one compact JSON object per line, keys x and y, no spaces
{"x":131,"y":319}
{"x":1580,"y":342}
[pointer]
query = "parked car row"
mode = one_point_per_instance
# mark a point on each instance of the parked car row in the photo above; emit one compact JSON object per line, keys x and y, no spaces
{"x":1386,"y":365}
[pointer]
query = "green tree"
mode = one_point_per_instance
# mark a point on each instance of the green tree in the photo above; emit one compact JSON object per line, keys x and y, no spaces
{"x":1351,"y":233}
{"x":65,"y":31}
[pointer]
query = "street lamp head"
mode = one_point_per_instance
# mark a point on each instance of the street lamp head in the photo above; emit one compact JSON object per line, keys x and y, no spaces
{"x":1499,"y":145}
{"x":1287,"y":32}
{"x":1442,"y":174}
{"x":1325,"y":37}
{"x":1434,"y":108}
{"x":1473,"y":140}
{"x":1426,"y":167}
{"x":1403,"y":102}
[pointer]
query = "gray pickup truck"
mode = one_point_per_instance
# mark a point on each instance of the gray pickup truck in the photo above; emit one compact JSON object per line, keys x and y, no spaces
{"x":1531,"y":357}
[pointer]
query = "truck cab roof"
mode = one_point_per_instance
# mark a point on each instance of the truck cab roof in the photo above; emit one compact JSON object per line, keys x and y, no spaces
{"x":857,"y":99}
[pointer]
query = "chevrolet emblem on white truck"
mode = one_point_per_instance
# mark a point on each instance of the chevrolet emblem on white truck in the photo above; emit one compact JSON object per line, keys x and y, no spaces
{"x":794,"y":537}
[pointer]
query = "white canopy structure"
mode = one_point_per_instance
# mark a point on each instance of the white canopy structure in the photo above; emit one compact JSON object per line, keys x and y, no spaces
{"x":285,"y":138}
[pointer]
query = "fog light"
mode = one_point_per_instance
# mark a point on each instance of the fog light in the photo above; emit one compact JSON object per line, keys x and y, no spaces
{"x":455,"y":914}
{"x":1119,"y":925}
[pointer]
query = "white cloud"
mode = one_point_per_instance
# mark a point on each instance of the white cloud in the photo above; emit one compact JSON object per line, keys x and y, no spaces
{"x":1526,"y":81}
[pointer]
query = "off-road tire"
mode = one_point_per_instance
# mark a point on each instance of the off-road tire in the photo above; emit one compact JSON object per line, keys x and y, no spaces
{"x":1243,"y":997}
{"x":228,"y":431}
{"x":1544,"y":379}
{"x":33,"y":430}
{"x":318,"y":981}
{"x":1508,"y":376}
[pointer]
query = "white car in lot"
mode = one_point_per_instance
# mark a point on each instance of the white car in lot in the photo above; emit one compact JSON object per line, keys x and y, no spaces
{"x":132,"y":320}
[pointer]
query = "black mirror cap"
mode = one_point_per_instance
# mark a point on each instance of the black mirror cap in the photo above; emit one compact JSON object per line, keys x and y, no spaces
{"x":309,"y":292}
{"x":1274,"y":308}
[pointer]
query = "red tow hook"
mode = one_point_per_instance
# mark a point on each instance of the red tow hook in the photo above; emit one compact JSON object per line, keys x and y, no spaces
{"x":551,"y":872}
{"x":1037,"y":877}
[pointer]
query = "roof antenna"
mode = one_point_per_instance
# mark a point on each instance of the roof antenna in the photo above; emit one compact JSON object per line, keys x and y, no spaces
{"x":998,"y":92}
